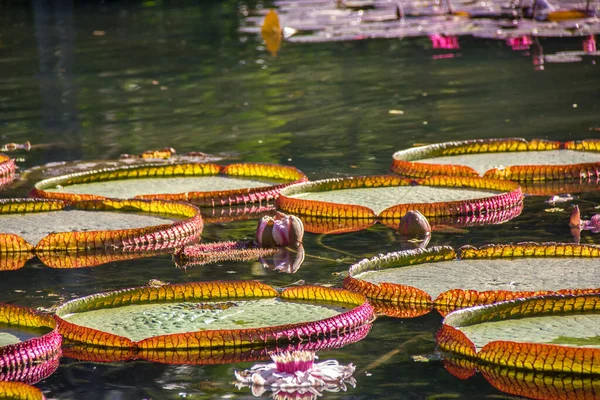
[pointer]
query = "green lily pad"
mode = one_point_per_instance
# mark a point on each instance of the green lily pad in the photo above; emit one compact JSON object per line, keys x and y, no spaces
{"x":381,"y":198}
{"x":486,"y":161}
{"x":511,"y":274}
{"x":572,"y":330}
{"x":123,"y":189}
{"x":35,"y":226}
{"x":11,"y":334}
{"x":141,"y":321}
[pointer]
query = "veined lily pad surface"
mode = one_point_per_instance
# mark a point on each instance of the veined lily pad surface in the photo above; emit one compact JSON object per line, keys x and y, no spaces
{"x":114,"y":224}
{"x":212,"y":355}
{"x":476,"y":276}
{"x":543,"y":333}
{"x":211,"y":314}
{"x":201,"y":184}
{"x":388,"y":198}
{"x":20,"y":391}
{"x":514,"y":159}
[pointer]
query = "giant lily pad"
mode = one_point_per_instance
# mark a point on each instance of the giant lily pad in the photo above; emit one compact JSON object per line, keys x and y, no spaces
{"x":202,"y":184}
{"x":211,"y":314}
{"x":475,"y":276}
{"x":387,"y":198}
{"x":19,"y":390}
{"x":7,"y":170}
{"x":82,"y":225}
{"x":207,"y":356}
{"x":555,"y":333}
{"x":29,"y":344}
{"x":514,"y":159}
{"x":531,"y":384}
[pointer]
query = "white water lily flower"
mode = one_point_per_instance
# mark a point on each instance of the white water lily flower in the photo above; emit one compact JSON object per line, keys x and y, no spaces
{"x":295,"y":373}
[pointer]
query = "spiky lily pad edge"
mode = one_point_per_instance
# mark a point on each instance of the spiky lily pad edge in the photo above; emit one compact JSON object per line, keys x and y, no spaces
{"x":208,"y":356}
{"x":33,"y":359}
{"x":19,"y":390}
{"x":450,"y":300}
{"x":510,"y":197}
{"x":7,"y":170}
{"x":338,"y":325}
{"x":402,"y":160}
{"x":158,"y":237}
{"x":203,"y":199}
{"x":523,"y":355}
{"x":526,"y":383}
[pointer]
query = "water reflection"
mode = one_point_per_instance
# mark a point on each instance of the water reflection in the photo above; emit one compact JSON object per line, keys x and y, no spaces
{"x":55,"y":35}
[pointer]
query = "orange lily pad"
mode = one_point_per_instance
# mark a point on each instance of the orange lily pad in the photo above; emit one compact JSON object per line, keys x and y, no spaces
{"x":201,"y":184}
{"x":387,"y":198}
{"x":160,"y":225}
{"x":211,"y":314}
{"x":476,"y":276}
{"x":552,"y":333}
{"x":513,"y":159}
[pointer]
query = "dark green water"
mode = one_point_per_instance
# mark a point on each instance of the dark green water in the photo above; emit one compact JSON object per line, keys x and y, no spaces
{"x":180,"y":74}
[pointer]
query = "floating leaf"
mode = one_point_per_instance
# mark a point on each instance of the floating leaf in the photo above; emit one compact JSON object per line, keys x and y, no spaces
{"x":30,"y":344}
{"x":202,"y":184}
{"x":211,"y":314}
{"x":20,"y":391}
{"x":554,"y":333}
{"x":477,"y":276}
{"x":388,"y":198}
{"x":209,"y":253}
{"x":208,"y":356}
{"x":514,"y":159}
{"x":39,"y":220}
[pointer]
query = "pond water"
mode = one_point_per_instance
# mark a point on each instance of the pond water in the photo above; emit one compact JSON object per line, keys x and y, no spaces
{"x":92,"y":80}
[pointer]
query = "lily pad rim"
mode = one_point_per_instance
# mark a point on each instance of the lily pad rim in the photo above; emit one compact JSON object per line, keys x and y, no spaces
{"x":146,"y":343}
{"x":194,"y":217}
{"x":219,"y":170}
{"x":510,"y":188}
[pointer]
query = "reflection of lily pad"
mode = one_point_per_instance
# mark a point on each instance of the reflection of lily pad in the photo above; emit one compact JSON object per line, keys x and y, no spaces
{"x":542,"y":333}
{"x":225,"y":355}
{"x":388,"y":198}
{"x":515,"y":159}
{"x":201,"y":184}
{"x":530,"y":384}
{"x":477,"y":276}
{"x":201,"y":315}
{"x":131,"y":224}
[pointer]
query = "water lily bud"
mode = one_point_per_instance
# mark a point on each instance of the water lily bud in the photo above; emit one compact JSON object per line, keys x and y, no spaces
{"x":575,"y":220}
{"x":414,"y":225}
{"x":264,"y":232}
{"x":279,"y":231}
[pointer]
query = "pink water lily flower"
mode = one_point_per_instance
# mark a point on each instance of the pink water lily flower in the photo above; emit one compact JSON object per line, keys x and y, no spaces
{"x":519,"y":43}
{"x":294,"y":374}
{"x":444,"y":42}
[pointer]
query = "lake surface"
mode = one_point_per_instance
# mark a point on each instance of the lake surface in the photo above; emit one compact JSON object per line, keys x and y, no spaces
{"x":93,"y":80}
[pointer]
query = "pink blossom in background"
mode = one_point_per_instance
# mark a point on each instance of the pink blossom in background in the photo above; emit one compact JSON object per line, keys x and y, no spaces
{"x":444,"y":42}
{"x":589,"y":44}
{"x":519,"y":43}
